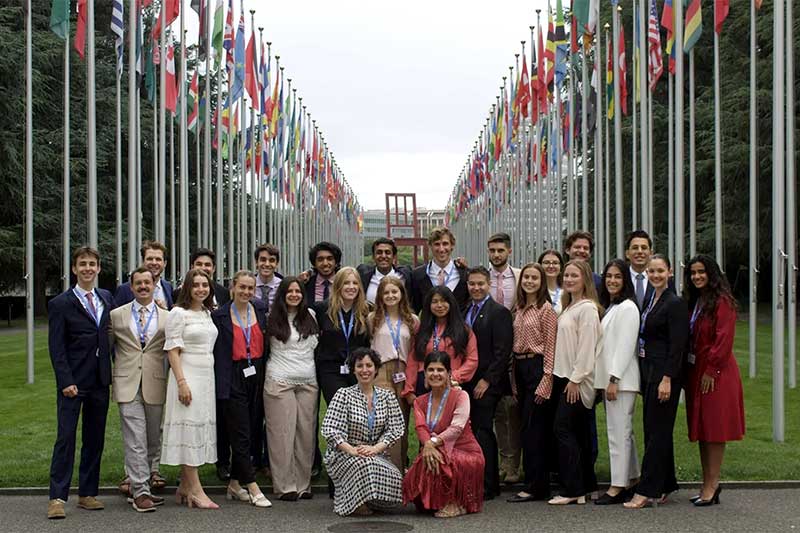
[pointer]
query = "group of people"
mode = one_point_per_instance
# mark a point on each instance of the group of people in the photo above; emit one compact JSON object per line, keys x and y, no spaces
{"x":502,"y":367}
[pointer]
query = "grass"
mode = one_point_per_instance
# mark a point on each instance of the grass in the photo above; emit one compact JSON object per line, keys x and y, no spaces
{"x":27,"y":424}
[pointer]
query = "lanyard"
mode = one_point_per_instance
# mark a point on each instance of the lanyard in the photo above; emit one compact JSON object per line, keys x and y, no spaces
{"x":246,"y":330}
{"x":432,"y":423}
{"x":558,"y":294}
{"x":447,"y":274}
{"x":695,"y":315}
{"x":436,"y":338}
{"x":139,"y":330}
{"x":644,"y":321}
{"x":371,"y":411}
{"x":395,"y":334}
{"x":473,"y":313}
{"x":347,"y":330}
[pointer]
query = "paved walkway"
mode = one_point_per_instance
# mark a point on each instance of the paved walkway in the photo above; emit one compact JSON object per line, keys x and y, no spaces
{"x":741,"y":510}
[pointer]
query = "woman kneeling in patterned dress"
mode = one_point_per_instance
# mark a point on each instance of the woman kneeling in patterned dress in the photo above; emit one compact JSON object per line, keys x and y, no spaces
{"x":361,"y":423}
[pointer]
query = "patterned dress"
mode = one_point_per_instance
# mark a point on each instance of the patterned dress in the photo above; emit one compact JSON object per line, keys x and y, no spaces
{"x":359,"y":480}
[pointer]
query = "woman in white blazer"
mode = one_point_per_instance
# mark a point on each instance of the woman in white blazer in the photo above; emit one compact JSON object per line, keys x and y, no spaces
{"x":617,"y":374}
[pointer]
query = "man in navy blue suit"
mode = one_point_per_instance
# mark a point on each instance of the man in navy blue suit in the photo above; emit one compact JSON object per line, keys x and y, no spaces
{"x":79,"y":350}
{"x":154,"y":257}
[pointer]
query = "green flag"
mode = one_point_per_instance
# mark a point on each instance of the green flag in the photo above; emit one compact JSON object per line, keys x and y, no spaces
{"x":149,"y":72}
{"x":59,"y":18}
{"x":216,"y":35}
{"x":580,"y":9}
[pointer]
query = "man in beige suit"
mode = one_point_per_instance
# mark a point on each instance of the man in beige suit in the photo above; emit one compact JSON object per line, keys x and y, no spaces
{"x":139,"y":383}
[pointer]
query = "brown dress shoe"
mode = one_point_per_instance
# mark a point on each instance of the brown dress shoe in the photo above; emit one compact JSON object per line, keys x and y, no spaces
{"x":157,"y":500}
{"x":55,"y":509}
{"x":90,"y":503}
{"x":143,"y":504}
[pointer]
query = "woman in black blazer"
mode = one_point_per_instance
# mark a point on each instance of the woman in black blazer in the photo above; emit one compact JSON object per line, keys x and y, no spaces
{"x":239,"y":354}
{"x":663,"y":338}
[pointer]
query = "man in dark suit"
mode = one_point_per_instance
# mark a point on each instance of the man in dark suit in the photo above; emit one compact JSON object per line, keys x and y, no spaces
{"x":441,"y":271}
{"x":205,"y":259}
{"x":79,"y":350}
{"x":384,"y":254}
{"x":638,"y":251}
{"x":493,"y":328}
{"x":154,"y":257}
{"x":326,"y":258}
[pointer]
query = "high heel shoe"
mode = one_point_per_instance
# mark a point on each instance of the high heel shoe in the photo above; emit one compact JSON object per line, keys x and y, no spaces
{"x":564,"y":500}
{"x":646,"y":502}
{"x":240,"y":495}
{"x":259,"y":500}
{"x":194,"y":501}
{"x":699,"y":502}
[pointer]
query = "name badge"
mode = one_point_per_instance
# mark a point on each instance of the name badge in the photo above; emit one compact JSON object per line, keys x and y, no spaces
{"x":691,"y":358}
{"x":344,"y":370}
{"x":398,"y":377}
{"x":249,"y":371}
{"x":641,"y":352}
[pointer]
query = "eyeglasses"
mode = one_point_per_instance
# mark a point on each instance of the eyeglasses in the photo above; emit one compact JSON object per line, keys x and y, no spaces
{"x":551,"y":263}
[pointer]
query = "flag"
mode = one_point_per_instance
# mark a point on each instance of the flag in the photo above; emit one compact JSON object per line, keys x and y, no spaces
{"x":758,"y":3}
{"x":693,"y":25}
{"x":655,"y":65}
{"x":173,"y":9}
{"x":668,"y":22}
{"x":59,"y":18}
{"x":239,"y":58}
{"x":721,"y":8}
{"x":199,"y":7}
{"x":573,"y":34}
{"x":610,"y":84}
{"x":192,"y":104}
{"x":217,"y":32}
{"x":541,"y":74}
{"x":524,"y":93}
{"x":562,"y":45}
{"x":594,"y":16}
{"x":150,"y":71}
{"x":171,"y":90}
{"x":623,"y":71}
{"x":637,"y":56}
{"x":550,"y":52}
{"x":117,"y":28}
{"x":250,"y":75}
{"x":80,"y":30}
{"x":227,"y":39}
{"x":580,"y":13}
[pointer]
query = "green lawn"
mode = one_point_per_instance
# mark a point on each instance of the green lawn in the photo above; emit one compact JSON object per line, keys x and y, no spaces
{"x":27,"y":424}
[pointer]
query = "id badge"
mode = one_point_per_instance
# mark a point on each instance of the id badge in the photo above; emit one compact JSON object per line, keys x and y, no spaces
{"x":344,"y":370}
{"x":691,"y":358}
{"x":398,"y":377}
{"x":641,"y":352}
{"x":249,"y":371}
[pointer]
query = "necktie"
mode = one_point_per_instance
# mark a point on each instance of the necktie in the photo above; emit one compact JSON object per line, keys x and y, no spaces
{"x":440,"y":277}
{"x":142,"y":327}
{"x":90,"y":303}
{"x":472,"y":314}
{"x":500,"y":297}
{"x":326,"y":289}
{"x":265,"y":290}
{"x":640,"y":289}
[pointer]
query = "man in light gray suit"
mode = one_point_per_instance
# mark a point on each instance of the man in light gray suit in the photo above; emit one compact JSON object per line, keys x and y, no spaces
{"x":139,"y":384}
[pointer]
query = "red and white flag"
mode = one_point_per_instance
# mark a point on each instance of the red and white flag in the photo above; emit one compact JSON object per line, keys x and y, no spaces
{"x":171,"y":90}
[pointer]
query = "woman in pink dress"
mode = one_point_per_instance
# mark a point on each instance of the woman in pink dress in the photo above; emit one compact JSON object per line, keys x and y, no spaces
{"x":447,"y":475}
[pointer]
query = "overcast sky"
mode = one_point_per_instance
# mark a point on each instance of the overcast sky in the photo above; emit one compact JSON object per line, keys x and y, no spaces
{"x":400,"y":90}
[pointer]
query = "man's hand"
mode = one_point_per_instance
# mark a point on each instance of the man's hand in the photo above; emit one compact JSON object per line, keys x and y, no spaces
{"x":70,"y":392}
{"x":480,"y":389}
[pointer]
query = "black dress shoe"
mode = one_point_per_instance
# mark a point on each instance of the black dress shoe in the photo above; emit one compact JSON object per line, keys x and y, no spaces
{"x":288,"y":497}
{"x":713,"y":501}
{"x":516,"y":498}
{"x":607,"y":499}
{"x":223,"y":473}
{"x":307,"y":495}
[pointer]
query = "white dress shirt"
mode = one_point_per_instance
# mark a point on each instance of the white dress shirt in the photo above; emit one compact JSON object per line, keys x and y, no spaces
{"x":99,"y":306}
{"x":372,"y":289}
{"x":451,"y":275}
{"x":152,"y":327}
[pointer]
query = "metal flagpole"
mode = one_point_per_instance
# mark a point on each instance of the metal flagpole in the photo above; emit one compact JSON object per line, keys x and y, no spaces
{"x":172,"y":243}
{"x":598,"y":153}
{"x":29,"y":296}
{"x":679,"y":232}
{"x":208,"y":230}
{"x":133,"y":30}
{"x":791,"y":205}
{"x":636,"y":94}
{"x":753,"y":199}
{"x":162,"y":118}
{"x":199,"y":216}
{"x":117,"y":175}
{"x":91,"y":131}
{"x":618,"y":219}
{"x":230,"y":250}
{"x":718,"y":248}
{"x":671,"y":171}
{"x":66,"y":258}
{"x":606,"y":237}
{"x":222,"y":253}
{"x":584,"y":141}
{"x":778,"y":222}
{"x":184,"y":177}
{"x":645,"y":134}
{"x":649,"y":186}
{"x":692,"y":164}
{"x":572,"y":206}
{"x":242,"y":185}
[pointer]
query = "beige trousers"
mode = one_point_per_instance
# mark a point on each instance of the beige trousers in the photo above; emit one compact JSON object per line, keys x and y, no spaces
{"x":399,"y":451}
{"x":291,"y":416}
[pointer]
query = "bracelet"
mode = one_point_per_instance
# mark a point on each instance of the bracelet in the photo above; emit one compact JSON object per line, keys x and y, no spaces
{"x":182,"y":380}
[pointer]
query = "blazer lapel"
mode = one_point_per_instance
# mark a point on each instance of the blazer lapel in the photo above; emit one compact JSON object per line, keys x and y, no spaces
{"x":161,"y":317}
{"x":77,"y":303}
{"x":125,"y":324}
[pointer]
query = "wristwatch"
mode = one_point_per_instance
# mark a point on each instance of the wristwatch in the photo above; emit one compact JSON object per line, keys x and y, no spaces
{"x":613,"y":379}
{"x":436,"y":441}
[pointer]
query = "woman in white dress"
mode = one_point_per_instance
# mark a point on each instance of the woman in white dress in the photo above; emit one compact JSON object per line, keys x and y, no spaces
{"x":190,"y":425}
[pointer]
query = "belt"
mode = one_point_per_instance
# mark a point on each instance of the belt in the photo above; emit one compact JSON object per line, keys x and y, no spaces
{"x":529,"y":355}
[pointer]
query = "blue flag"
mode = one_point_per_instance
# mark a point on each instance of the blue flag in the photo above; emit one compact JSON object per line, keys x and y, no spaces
{"x":238,"y":56}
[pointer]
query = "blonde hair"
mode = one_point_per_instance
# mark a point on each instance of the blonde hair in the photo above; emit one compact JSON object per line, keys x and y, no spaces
{"x":380,"y":311}
{"x":360,"y":308}
{"x":589,"y":290}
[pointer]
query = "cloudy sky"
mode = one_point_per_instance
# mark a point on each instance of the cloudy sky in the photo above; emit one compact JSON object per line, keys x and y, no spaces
{"x":400,"y":90}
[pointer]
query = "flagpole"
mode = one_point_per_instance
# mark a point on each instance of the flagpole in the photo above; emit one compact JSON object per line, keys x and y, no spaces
{"x":636,"y":61}
{"x":778,"y":222}
{"x":644,"y":119}
{"x":117,"y":173}
{"x":573,"y":210}
{"x":584,"y":142}
{"x":66,"y":258}
{"x":791,"y":205}
{"x":231,"y":248}
{"x":606,"y":247}
{"x":198,"y":170}
{"x":679,"y":232}
{"x":753,"y":200}
{"x":718,"y":247}
{"x":692,"y":162}
{"x":184,"y":177}
{"x":208,"y":230}
{"x":253,"y":148}
{"x":618,"y":219}
{"x":671,"y":145}
{"x":221,"y":251}
{"x":172,"y":243}
{"x":156,"y":159}
{"x":162,"y":118}
{"x":29,"y":338}
{"x":133,"y":31}
{"x":91,"y":132}
{"x":598,"y":154}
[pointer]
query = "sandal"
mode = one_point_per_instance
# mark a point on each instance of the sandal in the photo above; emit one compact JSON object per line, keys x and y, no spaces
{"x":454,"y":511}
{"x":125,"y":486}
{"x":157,"y":482}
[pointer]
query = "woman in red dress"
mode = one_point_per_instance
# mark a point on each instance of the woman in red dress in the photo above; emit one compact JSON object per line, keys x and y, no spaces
{"x":714,"y":400}
{"x":447,"y":475}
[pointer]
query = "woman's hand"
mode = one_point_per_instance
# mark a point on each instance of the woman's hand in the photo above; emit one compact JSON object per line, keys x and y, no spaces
{"x":432,"y":457}
{"x":706,"y":384}
{"x":664,"y":389}
{"x":411,"y":398}
{"x":368,"y":451}
{"x":184,"y":393}
{"x":348,"y":449}
{"x":611,"y":392}
{"x":573,"y":392}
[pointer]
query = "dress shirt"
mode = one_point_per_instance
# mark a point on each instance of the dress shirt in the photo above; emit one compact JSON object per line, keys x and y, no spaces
{"x":555,"y":297}
{"x":158,"y":293}
{"x":271,"y":286}
{"x":509,"y":285}
{"x":372,"y":289}
{"x":645,"y":282}
{"x":449,"y":270}
{"x":383,"y":343}
{"x":99,"y":306}
{"x":319,"y":288}
{"x":152,"y":328}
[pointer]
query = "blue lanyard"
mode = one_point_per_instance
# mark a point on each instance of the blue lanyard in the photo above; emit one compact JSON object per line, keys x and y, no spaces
{"x":695,"y":315}
{"x":146,"y":326}
{"x":246,"y":330}
{"x":447,"y":274}
{"x":432,"y":423}
{"x":347,"y":330}
{"x":558,"y":294}
{"x":644,"y":321}
{"x":371,"y":411}
{"x":473,"y":312}
{"x":395,"y":334}
{"x":436,"y":338}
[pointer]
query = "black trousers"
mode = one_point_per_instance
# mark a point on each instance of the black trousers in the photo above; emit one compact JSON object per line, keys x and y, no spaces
{"x":242,"y":416}
{"x":572,"y":428}
{"x":537,"y":427}
{"x":223,"y":444}
{"x":93,"y":404}
{"x":481,"y":415}
{"x":259,"y":452}
{"x":658,"y":463}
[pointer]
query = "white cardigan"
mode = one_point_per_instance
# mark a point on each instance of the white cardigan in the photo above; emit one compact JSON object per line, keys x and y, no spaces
{"x":619,"y":354}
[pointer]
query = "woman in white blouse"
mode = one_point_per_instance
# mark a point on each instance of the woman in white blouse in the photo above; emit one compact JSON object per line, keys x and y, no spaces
{"x":578,"y":344}
{"x":617,"y":373}
{"x":392,"y":326}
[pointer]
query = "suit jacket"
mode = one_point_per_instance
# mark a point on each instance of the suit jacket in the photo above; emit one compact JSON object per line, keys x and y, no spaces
{"x":79,"y":348}
{"x":223,"y":347}
{"x":421,"y":284}
{"x":331,"y":350}
{"x":666,"y":338}
{"x":124,"y":293}
{"x":134,"y":365}
{"x":310,"y":287}
{"x":648,"y":292}
{"x":367,"y":271}
{"x":494,"y":331}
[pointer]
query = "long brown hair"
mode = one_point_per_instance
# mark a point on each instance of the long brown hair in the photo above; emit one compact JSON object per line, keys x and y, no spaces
{"x":184,"y":299}
{"x":360,"y":308}
{"x":278,"y":318}
{"x":380,"y":310}
{"x":589,"y":290}
{"x":542,"y":295}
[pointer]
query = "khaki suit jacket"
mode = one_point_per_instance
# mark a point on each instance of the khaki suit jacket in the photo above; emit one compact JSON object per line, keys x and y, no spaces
{"x":134,"y":365}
